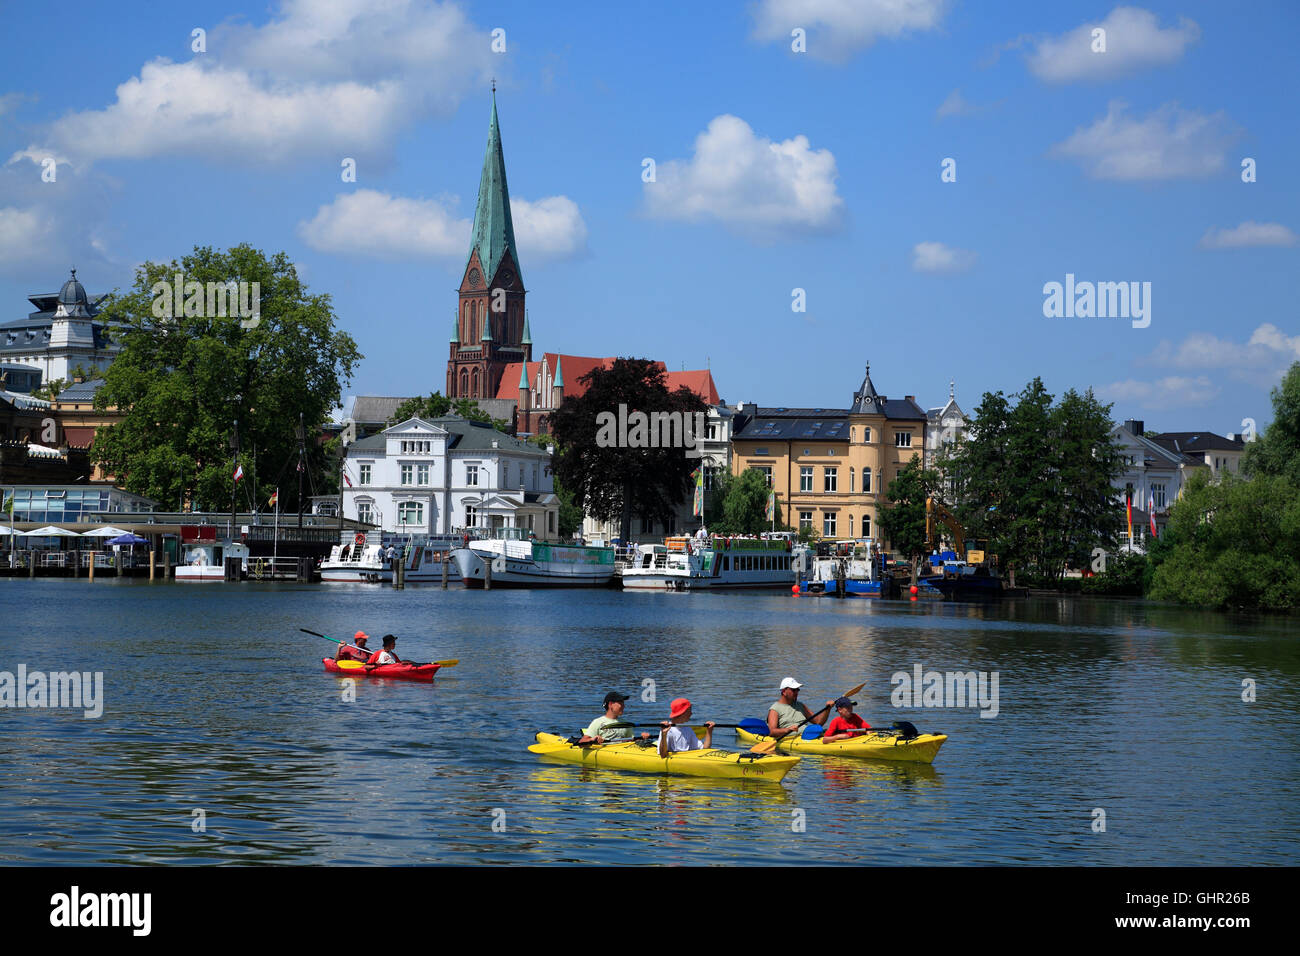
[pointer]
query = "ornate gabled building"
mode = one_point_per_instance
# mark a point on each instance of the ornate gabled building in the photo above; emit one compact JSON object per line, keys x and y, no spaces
{"x":59,"y":336}
{"x":490,"y":329}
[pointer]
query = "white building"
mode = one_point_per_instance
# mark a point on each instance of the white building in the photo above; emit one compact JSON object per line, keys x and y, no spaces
{"x":1153,"y":475}
{"x":59,"y":336}
{"x":444,"y":475}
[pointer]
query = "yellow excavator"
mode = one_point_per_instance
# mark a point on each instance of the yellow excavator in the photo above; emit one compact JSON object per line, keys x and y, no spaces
{"x":936,"y":512}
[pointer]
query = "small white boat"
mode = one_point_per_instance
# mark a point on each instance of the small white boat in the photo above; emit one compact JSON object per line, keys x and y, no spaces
{"x":206,"y":560}
{"x":715,"y":562}
{"x":357,"y":560}
{"x":363,"y":559}
{"x":518,"y":560}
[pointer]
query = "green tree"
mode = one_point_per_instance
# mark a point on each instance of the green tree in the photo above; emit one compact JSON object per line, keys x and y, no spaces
{"x":612,"y":482}
{"x":903,"y":521}
{"x":1233,"y":543}
{"x":742,"y":504}
{"x":183,"y":382}
{"x":1277,"y":451}
{"x":436,"y":405}
{"x":569,"y":519}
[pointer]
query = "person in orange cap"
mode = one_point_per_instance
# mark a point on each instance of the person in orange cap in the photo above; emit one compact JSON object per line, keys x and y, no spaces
{"x":675,"y":737}
{"x":346,"y":653}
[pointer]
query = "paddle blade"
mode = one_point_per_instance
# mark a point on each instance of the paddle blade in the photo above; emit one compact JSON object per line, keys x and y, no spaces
{"x":350,"y":665}
{"x":766,"y":747}
{"x":813,"y":731}
{"x":754,"y":726}
{"x":451,"y":663}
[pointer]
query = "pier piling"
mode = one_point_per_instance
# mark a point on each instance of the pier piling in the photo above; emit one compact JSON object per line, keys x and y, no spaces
{"x":444,"y":571}
{"x":152,"y":557}
{"x":487,"y":574}
{"x":92,"y":567}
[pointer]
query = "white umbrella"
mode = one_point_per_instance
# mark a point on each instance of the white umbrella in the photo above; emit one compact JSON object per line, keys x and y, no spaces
{"x":49,"y":531}
{"x":106,"y":532}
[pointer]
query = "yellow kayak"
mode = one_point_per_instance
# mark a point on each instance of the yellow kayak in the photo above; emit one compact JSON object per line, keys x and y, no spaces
{"x":692,"y":763}
{"x":874,"y":745}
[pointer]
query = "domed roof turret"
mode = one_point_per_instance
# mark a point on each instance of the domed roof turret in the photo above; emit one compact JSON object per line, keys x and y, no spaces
{"x":72,"y":297}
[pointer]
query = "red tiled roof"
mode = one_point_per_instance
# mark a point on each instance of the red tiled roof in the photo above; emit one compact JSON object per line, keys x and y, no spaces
{"x":575,"y":367}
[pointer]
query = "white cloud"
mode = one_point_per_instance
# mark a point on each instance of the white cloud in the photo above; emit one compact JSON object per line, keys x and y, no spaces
{"x":1169,"y":143}
{"x":1165,"y":393}
{"x":748,"y":182}
{"x":376,"y":225}
{"x":955,"y":105}
{"x":1249,"y":234}
{"x":339,"y":77}
{"x":838,"y":28}
{"x":1134,"y":40}
{"x":938,"y":258}
{"x":21,"y":231}
{"x":1268,"y":349}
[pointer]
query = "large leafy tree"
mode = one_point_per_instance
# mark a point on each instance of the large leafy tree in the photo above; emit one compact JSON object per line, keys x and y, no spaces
{"x":1277,"y":451}
{"x":612,"y":482}
{"x":903,"y":521}
{"x":436,"y":405}
{"x":183,"y":382}
{"x":742,"y":504}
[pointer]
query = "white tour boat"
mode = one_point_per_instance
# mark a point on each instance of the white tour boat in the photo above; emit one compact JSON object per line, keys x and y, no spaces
{"x":206,"y":560}
{"x":363,"y":559}
{"x":690,"y":564}
{"x":356,"y":560}
{"x":519,"y":560}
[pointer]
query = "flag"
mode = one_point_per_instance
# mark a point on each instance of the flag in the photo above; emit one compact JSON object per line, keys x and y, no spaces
{"x":299,"y":466}
{"x":275,"y":498}
{"x":1128,"y":504}
{"x":239,"y":472}
{"x":1153,"y":525}
{"x":770,"y":515}
{"x":698,"y":509}
{"x":346,"y":478}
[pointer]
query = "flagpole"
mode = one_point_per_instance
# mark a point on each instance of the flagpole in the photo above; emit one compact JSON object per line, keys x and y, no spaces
{"x":275,"y":535}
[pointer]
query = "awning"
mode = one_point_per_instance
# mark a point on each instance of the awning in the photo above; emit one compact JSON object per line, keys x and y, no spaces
{"x":49,"y":531}
{"x":106,"y":532}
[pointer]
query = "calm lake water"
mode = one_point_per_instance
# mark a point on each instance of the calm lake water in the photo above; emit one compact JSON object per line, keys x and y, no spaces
{"x":215,"y":701}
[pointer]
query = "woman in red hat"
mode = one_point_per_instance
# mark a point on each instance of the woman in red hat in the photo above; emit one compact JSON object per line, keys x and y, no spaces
{"x":674,"y":737}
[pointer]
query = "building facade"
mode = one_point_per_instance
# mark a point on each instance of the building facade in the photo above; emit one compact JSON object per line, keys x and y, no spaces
{"x":59,"y":336}
{"x":830,"y":467}
{"x":448,"y":474}
{"x":1153,"y":478}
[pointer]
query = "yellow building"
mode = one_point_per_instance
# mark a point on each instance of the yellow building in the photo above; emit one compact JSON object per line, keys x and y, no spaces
{"x":830,"y":466}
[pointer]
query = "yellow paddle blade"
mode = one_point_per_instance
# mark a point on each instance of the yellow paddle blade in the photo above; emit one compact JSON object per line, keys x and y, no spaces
{"x":451,"y":663}
{"x":350,"y":665}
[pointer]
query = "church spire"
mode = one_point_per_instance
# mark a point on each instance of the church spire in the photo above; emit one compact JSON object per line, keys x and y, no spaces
{"x":494,"y":231}
{"x":865,"y":399}
{"x":455,"y":328}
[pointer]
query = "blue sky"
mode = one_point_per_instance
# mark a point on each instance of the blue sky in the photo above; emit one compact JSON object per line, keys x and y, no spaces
{"x":775,"y":170}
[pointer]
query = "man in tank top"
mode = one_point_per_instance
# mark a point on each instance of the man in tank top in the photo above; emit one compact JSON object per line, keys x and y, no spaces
{"x":787,"y":715}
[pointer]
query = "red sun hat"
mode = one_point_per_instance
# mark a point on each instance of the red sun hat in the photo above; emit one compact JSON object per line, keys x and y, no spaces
{"x":361,"y":636}
{"x":678,"y":707}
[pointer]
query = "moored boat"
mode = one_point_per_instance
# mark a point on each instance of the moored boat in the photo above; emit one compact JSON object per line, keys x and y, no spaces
{"x":516,"y":559}
{"x":715,"y":562}
{"x":356,"y":559}
{"x":850,"y":568}
{"x":882,"y":744}
{"x":722,"y":764}
{"x":205,"y":560}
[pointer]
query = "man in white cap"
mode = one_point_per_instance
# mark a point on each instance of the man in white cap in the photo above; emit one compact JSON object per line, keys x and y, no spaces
{"x":787,"y":715}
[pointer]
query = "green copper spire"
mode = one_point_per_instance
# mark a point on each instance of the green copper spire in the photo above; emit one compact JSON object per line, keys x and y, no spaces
{"x":523,"y":376}
{"x":487,"y":329}
{"x":528,"y":336}
{"x":455,"y":328}
{"x":494,"y":231}
{"x":559,"y":375}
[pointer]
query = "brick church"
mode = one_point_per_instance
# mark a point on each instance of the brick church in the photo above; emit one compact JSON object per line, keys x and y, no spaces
{"x":491,"y":349}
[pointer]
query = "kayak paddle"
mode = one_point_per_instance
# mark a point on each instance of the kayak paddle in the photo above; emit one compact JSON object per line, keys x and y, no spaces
{"x":334,"y":640}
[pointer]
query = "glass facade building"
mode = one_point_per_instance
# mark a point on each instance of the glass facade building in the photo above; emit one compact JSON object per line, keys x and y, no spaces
{"x":71,"y":504}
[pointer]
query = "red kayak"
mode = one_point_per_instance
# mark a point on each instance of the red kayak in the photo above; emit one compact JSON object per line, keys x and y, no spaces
{"x":402,"y":671}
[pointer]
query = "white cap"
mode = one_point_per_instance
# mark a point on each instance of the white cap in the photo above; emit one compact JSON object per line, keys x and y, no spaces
{"x":790,"y":682}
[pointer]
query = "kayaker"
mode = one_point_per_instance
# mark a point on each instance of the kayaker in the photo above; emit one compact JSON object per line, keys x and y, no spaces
{"x":674,"y":738}
{"x":346,"y":653}
{"x":388,"y":655}
{"x":842,"y":726}
{"x":787,"y":715}
{"x":599,"y":731}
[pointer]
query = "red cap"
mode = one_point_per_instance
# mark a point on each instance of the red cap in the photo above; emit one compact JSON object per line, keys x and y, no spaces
{"x":678,"y":707}
{"x":361,"y":636}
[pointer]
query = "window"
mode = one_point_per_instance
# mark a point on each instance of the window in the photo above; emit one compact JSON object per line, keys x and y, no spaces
{"x":1158,"y":496}
{"x":902,"y":439}
{"x":828,"y":524}
{"x":471,"y":476}
{"x":866,"y":480}
{"x":471,"y":516}
{"x":410,"y":512}
{"x":421,"y":474}
{"x":365,"y":512}
{"x":805,"y":520}
{"x":535,"y":488}
{"x":407,"y":472}
{"x":711,"y":432}
{"x":365,"y":474}
{"x":552,"y":514}
{"x":852,"y":487}
{"x":866,"y":435}
{"x":829,"y":479}
{"x":853,"y":434}
{"x":866,"y":526}
{"x":806,"y":478}
{"x":767,"y":473}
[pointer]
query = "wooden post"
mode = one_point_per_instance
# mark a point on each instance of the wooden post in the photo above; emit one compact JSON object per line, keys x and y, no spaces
{"x":444,"y":569}
{"x":152,"y":557}
{"x":117,"y":562}
{"x":76,"y":563}
{"x":31,"y":564}
{"x":167,"y":564}
{"x":487,"y":574}
{"x":92,"y":567}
